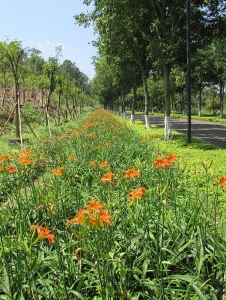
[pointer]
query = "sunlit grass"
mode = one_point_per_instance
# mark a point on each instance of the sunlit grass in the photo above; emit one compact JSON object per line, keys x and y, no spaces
{"x":109,"y":210}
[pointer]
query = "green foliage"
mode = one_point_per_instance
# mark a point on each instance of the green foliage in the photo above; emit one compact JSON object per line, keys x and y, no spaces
{"x":167,"y":242}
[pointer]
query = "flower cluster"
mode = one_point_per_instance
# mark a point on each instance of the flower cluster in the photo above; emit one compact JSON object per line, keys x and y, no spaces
{"x":24,"y":158}
{"x":164,"y":162}
{"x":93,"y":214}
{"x":7,"y":162}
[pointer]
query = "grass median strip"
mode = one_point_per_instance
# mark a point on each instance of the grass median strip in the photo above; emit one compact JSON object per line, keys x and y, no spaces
{"x":113,"y":215}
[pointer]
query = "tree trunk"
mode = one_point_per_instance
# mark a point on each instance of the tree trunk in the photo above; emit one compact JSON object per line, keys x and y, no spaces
{"x":58,"y":109}
{"x":123,"y":105}
{"x":74,"y":111}
{"x":67,"y":108}
{"x":4,"y":88}
{"x":132,"y":119}
{"x":167,"y":132}
{"x":17,"y":110}
{"x":47,"y":115}
{"x":200,"y":100}
{"x":47,"y":120}
{"x":221,"y":99}
{"x":146,"y":100}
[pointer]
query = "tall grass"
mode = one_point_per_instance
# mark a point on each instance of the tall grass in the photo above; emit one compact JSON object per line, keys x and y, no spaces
{"x":97,"y":212}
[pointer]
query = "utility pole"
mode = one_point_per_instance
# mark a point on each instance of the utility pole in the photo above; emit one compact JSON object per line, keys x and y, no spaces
{"x":189,"y":69}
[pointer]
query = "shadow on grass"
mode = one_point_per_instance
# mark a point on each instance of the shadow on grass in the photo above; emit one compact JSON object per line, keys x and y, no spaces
{"x":181,"y":140}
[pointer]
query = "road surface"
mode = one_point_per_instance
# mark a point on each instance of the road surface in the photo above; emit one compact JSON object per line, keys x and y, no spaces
{"x":211,"y":132}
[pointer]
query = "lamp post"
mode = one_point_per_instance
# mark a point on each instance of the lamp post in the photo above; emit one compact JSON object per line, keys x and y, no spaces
{"x":188,"y":4}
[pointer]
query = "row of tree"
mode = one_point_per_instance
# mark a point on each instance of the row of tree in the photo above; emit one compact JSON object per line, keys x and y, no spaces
{"x":145,"y":42}
{"x":24,"y":69}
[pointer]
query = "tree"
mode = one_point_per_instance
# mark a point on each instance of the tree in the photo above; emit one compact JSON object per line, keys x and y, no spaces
{"x":12,"y":55}
{"x":103,"y":84}
{"x":70,"y":71}
{"x":120,"y":37}
{"x":34,"y":61}
{"x":49,"y":81}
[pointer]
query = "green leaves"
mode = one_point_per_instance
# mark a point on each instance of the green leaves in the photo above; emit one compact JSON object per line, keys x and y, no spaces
{"x":165,"y":242}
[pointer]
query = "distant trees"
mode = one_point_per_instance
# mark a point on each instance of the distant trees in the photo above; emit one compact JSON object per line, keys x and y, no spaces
{"x":11,"y":56}
{"x":30,"y":77}
{"x":152,"y":35}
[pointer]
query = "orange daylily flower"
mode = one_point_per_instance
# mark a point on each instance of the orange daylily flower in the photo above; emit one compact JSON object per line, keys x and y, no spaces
{"x":161,"y":162}
{"x":93,"y":221}
{"x":72,"y":158}
{"x":43,"y":233}
{"x":26,"y":153}
{"x":104,"y":217}
{"x":58,"y":172}
{"x":23,"y":160}
{"x":5,"y":157}
{"x":104,"y":164}
{"x":93,"y":162}
{"x":137,"y":194}
{"x":95,"y":205}
{"x":97,"y":147}
{"x":143,"y":140}
{"x":64,"y":138}
{"x":164,"y":162}
{"x":221,"y":181}
{"x":94,"y":214}
{"x":108,"y":178}
{"x":171,"y":158}
{"x":10,"y":169}
{"x":80,"y":217}
{"x":131,"y":173}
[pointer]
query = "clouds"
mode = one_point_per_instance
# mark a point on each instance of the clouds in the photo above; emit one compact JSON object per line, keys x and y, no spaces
{"x":78,"y":54}
{"x":47,"y":47}
{"x":46,"y":24}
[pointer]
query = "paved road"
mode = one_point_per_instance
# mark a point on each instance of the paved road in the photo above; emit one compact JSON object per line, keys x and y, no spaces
{"x":211,"y":132}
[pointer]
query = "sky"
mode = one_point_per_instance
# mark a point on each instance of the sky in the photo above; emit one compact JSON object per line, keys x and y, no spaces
{"x":45,"y":24}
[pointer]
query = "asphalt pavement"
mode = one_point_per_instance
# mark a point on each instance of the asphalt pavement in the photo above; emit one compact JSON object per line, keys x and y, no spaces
{"x":210,"y":132}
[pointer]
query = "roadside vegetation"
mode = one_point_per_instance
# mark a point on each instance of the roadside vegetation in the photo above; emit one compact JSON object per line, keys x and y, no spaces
{"x":93,"y":206}
{"x":108,"y":210}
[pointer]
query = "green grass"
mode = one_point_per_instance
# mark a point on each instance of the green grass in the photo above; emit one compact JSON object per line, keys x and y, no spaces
{"x":115,"y":216}
{"x":192,"y":155}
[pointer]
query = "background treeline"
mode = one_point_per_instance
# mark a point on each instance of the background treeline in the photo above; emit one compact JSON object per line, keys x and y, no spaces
{"x":142,"y":54}
{"x":28,"y":81}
